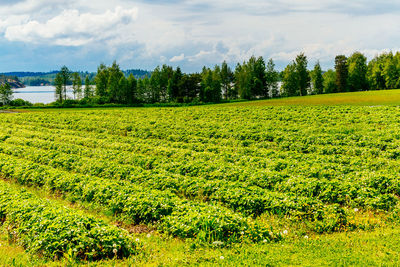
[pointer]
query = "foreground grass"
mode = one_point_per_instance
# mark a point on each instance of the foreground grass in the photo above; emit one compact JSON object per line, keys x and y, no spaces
{"x":376,"y":248}
{"x":365,"y":98}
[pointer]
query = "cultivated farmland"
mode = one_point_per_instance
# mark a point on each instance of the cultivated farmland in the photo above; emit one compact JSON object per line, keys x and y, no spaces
{"x":213,"y":177}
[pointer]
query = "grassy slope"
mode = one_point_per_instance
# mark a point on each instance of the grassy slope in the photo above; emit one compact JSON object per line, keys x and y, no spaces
{"x":384,"y":97}
{"x":377,"y":247}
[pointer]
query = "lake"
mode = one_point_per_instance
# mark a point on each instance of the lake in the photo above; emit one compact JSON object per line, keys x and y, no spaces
{"x":39,"y":94}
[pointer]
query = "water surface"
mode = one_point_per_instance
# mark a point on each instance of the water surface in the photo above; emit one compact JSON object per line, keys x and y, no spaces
{"x":39,"y":94}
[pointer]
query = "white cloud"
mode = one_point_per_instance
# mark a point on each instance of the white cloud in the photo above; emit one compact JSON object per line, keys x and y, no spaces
{"x":72,"y":28}
{"x":12,"y":20}
{"x":193,"y":33}
{"x":177,"y":58}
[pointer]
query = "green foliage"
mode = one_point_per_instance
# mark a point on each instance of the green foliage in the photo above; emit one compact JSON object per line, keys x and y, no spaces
{"x":59,"y":95}
{"x":342,"y":73}
{"x":210,"y":90}
{"x":272,"y":78}
{"x":174,"y":88}
{"x":6,"y":93}
{"x":53,"y":231}
{"x":163,"y":167}
{"x":329,"y":82}
{"x":290,"y":81}
{"x":296,"y":78}
{"x":226,"y":81}
{"x":77,"y":85}
{"x":375,"y":74}
{"x":114,"y":77}
{"x":88,"y":92}
{"x":317,"y":79}
{"x":251,"y":80}
{"x":303,"y":77}
{"x":391,"y":71}
{"x":101,"y":80}
{"x":357,"y":72}
{"x":20,"y":102}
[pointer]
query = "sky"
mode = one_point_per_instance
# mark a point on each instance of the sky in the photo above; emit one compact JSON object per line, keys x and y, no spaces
{"x":43,"y":35}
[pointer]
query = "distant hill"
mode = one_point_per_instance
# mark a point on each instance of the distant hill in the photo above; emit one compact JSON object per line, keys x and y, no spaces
{"x":47,"y":78}
{"x":21,"y":74}
{"x":138,"y":73}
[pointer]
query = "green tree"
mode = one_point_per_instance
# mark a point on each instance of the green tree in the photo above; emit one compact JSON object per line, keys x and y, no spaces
{"x":317,"y":79}
{"x":259,"y":87}
{"x":216,"y":85}
{"x":357,"y":68}
{"x":114,"y":77}
{"x":59,"y":95}
{"x":329,"y":82}
{"x":65,"y":76}
{"x":155,"y":85}
{"x":206,"y":84}
{"x":242,"y":81}
{"x":123,"y":90}
{"x":375,"y":74}
{"x":391,"y":71}
{"x":290,"y":83}
{"x":226,"y":80}
{"x":88,"y":88}
{"x":6,"y":93}
{"x":165,"y":75}
{"x":303,"y":77}
{"x":140,"y":92}
{"x":77,"y":85}
{"x":101,"y":80}
{"x":341,"y":73}
{"x":174,"y":86}
{"x":190,"y":86}
{"x":131,"y":89}
{"x":272,"y":78}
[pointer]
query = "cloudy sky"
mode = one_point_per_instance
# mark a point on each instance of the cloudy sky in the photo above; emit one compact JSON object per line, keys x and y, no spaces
{"x":43,"y":35}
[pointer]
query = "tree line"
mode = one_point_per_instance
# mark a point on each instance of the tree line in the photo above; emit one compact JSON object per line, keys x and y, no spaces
{"x":252,"y":79}
{"x":350,"y":74}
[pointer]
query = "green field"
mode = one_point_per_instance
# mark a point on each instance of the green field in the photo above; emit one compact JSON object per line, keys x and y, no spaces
{"x":292,"y":181}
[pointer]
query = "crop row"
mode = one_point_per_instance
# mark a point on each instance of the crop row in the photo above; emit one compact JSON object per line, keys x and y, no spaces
{"x":136,"y":204}
{"x":238,"y":195}
{"x":52,"y":230}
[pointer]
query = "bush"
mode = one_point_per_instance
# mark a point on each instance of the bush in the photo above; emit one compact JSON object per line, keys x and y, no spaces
{"x":20,"y":102}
